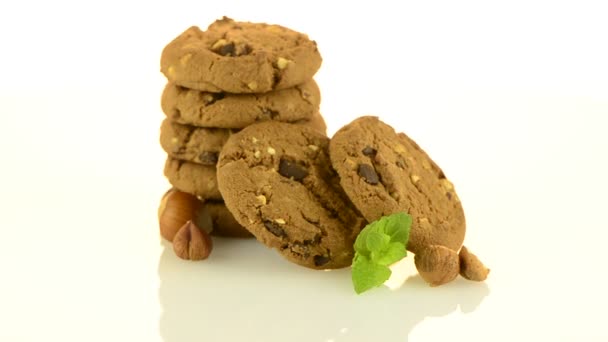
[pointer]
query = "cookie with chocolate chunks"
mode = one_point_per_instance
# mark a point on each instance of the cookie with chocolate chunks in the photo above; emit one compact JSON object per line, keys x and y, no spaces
{"x":202,"y":145}
{"x":240,"y":57}
{"x":277,"y":180}
{"x":224,"y":110}
{"x":385,"y":172}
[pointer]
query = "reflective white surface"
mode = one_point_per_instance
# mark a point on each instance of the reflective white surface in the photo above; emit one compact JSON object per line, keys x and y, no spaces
{"x":511,"y":101}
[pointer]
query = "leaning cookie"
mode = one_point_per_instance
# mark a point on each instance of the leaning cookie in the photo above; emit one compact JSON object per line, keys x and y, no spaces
{"x":204,"y":109}
{"x":195,"y":179}
{"x":385,"y":172}
{"x":276,"y":178}
{"x":240,"y":57}
{"x":202,"y":145}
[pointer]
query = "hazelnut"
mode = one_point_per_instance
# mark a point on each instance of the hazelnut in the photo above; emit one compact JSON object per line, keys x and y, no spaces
{"x":218,"y":44}
{"x":261,"y":199}
{"x":185,"y":58}
{"x":192,"y":243}
{"x":171,"y":71}
{"x":176,"y":208}
{"x":426,"y":165}
{"x":470,"y":266}
{"x":282,"y":63}
{"x":437,"y":264}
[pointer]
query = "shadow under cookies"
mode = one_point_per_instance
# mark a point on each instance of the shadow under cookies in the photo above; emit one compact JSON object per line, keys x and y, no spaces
{"x":245,"y":291}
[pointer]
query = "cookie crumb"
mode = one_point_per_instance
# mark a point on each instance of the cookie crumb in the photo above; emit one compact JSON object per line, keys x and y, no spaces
{"x":271,"y":151}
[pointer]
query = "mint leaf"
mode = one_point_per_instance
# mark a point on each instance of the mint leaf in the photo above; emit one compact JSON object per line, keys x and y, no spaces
{"x":361,"y":242}
{"x":394,"y":252}
{"x":397,"y":226}
{"x":367,"y":275}
{"x":379,"y":244}
{"x":377,"y":241}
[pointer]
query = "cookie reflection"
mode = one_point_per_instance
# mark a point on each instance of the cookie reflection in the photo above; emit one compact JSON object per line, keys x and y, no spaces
{"x":245,"y":291}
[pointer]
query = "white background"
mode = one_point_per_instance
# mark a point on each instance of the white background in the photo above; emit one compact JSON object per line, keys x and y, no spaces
{"x":509,"y":97}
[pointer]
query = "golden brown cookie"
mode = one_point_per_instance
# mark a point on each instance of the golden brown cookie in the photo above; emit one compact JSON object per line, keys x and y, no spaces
{"x":195,"y":179}
{"x":384,"y":172}
{"x":203,"y":145}
{"x":277,"y":180}
{"x":204,"y":109}
{"x":240,"y":57}
{"x":223,"y":221}
{"x":193,"y":144}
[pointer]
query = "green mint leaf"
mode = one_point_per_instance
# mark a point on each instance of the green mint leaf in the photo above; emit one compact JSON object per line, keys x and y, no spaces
{"x":397,"y":226}
{"x":394,"y":252}
{"x":367,"y":274}
{"x":361,"y":242}
{"x":376,"y":241}
{"x":380,"y":244}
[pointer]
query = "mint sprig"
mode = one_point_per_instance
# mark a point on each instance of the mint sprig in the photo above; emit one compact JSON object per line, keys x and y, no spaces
{"x":380,"y":244}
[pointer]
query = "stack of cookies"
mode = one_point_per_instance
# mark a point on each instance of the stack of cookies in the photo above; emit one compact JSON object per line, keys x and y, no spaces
{"x":221,"y":80}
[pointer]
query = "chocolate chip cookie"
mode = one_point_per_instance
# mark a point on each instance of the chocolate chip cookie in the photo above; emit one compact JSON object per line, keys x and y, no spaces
{"x":384,"y":172}
{"x":224,"y":110}
{"x":202,"y":145}
{"x":240,"y":57}
{"x":277,"y":180}
{"x":193,"y":144}
{"x":195,"y":179}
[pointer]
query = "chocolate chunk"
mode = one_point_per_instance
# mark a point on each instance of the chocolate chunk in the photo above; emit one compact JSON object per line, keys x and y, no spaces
{"x":449,"y":195}
{"x":227,"y":50}
{"x":208,"y":158}
{"x":215,"y":97}
{"x":368,"y":173}
{"x":233,"y":50}
{"x":369,"y":151}
{"x":321,"y":260}
{"x":270,"y":112}
{"x":245,"y":50}
{"x":275,"y":229}
{"x":292,"y":170}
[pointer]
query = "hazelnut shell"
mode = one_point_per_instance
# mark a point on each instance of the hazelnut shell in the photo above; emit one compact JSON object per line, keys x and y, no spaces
{"x":437,"y":265}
